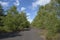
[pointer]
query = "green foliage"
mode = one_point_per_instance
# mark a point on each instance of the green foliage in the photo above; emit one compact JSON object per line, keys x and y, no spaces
{"x":14,"y":21}
{"x":58,"y":1}
{"x":1,"y":14}
{"x":1,"y":17}
{"x":24,"y":21}
{"x":1,"y":10}
{"x":47,"y":19}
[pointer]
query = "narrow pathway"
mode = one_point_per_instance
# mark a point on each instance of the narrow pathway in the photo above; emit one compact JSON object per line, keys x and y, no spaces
{"x":33,"y":34}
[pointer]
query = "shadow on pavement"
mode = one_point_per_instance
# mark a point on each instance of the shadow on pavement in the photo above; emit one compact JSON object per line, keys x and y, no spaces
{"x":9,"y":35}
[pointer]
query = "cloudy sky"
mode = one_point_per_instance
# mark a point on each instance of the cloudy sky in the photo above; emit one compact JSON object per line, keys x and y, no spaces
{"x":29,"y":6}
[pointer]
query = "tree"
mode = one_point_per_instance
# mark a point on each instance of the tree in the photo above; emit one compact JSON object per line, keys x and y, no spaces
{"x":15,"y":21}
{"x":47,"y":19}
{"x":24,"y":21}
{"x":1,"y":10}
{"x":11,"y":18}
{"x":1,"y":14}
{"x":58,"y":1}
{"x":1,"y":18}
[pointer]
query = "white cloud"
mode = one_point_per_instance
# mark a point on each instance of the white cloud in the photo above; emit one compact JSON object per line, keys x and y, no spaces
{"x":40,"y":3}
{"x":17,"y":3}
{"x":28,"y":17}
{"x":28,"y":14}
{"x":23,"y":8}
{"x":30,"y":20}
{"x":4,"y":3}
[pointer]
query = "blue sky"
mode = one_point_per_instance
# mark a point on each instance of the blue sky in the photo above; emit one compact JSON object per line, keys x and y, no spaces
{"x":29,"y":6}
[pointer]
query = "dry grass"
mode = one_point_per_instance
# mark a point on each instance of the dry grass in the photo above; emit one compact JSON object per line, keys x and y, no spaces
{"x":57,"y":37}
{"x":43,"y":33}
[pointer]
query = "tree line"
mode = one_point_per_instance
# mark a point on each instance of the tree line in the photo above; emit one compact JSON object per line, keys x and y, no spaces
{"x":48,"y":18}
{"x":12,"y":20}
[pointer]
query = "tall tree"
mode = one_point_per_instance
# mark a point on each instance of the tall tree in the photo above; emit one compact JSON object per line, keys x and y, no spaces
{"x":47,"y":18}
{"x":14,"y":20}
{"x":1,"y":14}
{"x":1,"y":10}
{"x":11,"y":18}
{"x":58,"y":1}
{"x":24,"y":21}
